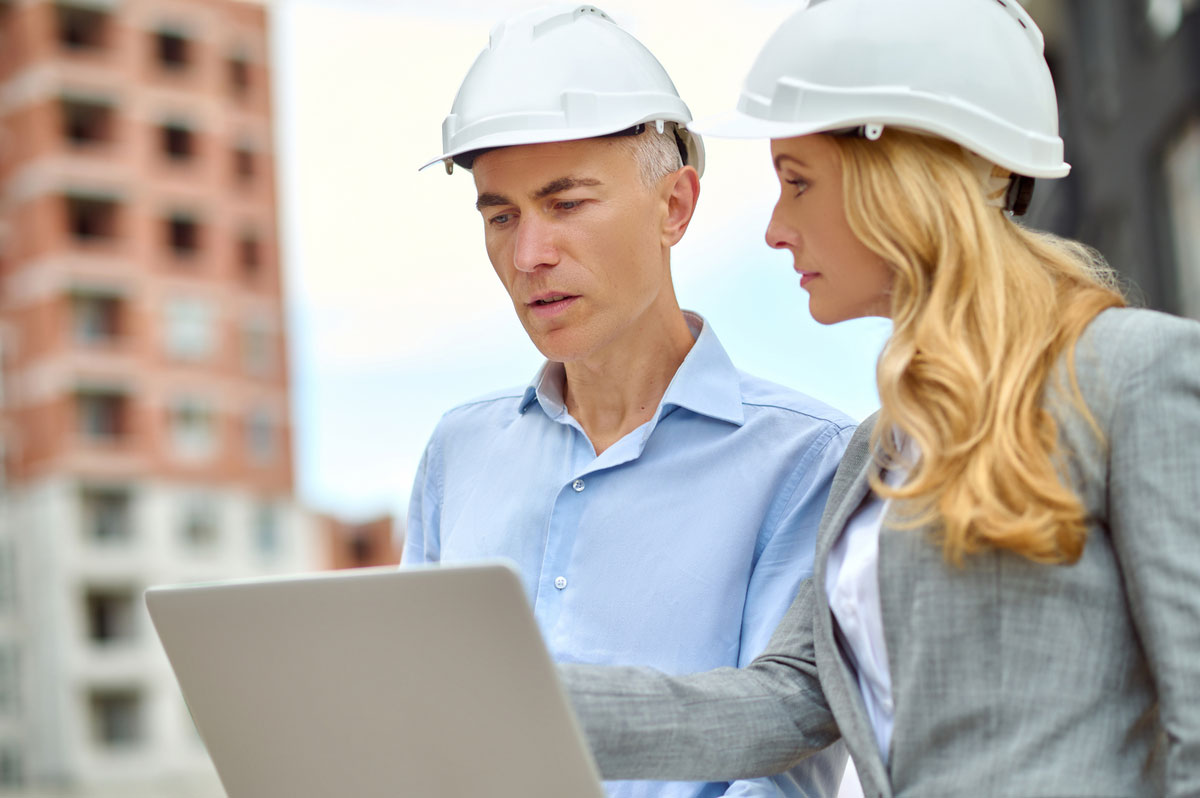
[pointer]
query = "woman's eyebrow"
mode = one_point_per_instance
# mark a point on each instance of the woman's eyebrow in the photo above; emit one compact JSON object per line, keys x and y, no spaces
{"x":779,"y":159}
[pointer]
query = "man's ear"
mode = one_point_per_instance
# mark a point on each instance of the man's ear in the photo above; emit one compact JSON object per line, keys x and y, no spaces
{"x":682,"y":191}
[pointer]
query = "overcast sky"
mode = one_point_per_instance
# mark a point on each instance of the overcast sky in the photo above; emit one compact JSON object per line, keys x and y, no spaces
{"x":395,"y":314}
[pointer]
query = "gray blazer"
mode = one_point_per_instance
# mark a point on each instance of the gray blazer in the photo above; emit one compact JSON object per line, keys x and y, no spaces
{"x":1008,"y":678}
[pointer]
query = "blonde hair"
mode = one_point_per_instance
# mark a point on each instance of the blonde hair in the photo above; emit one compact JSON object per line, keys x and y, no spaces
{"x":983,"y":311}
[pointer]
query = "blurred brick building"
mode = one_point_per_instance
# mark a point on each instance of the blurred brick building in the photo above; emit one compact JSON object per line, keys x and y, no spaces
{"x":362,"y":544}
{"x":144,"y":425}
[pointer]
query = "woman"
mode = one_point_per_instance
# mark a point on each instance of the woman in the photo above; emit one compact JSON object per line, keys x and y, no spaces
{"x":1007,"y":593}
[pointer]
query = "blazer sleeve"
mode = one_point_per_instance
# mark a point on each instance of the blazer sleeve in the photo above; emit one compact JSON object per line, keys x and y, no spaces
{"x":717,"y":726}
{"x":1154,"y":520}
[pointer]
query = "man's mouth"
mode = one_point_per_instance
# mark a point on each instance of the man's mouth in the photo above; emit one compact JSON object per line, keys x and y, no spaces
{"x":549,"y":306}
{"x":550,"y":299}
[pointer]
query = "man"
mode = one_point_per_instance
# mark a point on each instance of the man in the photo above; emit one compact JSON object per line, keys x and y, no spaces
{"x":661,"y":506}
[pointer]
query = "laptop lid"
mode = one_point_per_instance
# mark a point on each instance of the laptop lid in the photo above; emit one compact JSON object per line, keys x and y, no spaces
{"x":430,"y":682}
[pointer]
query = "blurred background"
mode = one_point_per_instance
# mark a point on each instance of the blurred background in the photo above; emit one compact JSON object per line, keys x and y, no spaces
{"x":231,"y":310}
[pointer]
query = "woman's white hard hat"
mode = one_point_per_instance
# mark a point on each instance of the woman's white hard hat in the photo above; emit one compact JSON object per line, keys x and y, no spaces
{"x":972,"y":71}
{"x":561,"y":73}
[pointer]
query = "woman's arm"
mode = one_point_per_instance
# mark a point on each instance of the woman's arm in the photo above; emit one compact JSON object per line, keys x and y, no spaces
{"x":717,"y":726}
{"x":1154,"y":519}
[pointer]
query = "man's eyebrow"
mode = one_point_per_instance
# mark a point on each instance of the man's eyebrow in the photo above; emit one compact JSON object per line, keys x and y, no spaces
{"x":564,"y":184}
{"x":779,"y":159}
{"x":488,"y":200}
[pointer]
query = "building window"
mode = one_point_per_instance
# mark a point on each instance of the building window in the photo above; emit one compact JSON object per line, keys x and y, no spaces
{"x":10,"y":680}
{"x":193,"y":430}
{"x":86,"y":121}
{"x":191,"y":329}
{"x":12,"y":772}
{"x":183,"y":234}
{"x":102,"y":414}
{"x":92,"y":218}
{"x":178,"y":141}
{"x":81,"y":28}
{"x":174,"y":49}
{"x":107,"y":514}
{"x":258,"y":355}
{"x":116,"y":717}
{"x":1181,"y":168}
{"x":239,"y":75}
{"x":243,"y":163}
{"x":266,"y":530}
{"x":362,"y":547}
{"x":111,"y":615}
{"x":96,"y":318}
{"x":1165,"y":17}
{"x":8,"y":575}
{"x":249,"y":255}
{"x":199,"y":524}
{"x":260,"y":435}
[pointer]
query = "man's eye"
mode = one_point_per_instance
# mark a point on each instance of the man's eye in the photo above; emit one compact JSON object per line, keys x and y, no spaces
{"x":500,"y":219}
{"x":568,"y":205}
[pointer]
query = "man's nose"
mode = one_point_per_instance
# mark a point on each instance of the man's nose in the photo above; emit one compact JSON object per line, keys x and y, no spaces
{"x":535,"y":245}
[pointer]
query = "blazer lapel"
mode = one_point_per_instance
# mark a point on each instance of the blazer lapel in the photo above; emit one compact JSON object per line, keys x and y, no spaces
{"x":838,"y":680}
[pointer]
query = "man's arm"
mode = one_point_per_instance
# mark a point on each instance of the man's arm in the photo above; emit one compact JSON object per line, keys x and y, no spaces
{"x":785,"y":561}
{"x":422,"y":537}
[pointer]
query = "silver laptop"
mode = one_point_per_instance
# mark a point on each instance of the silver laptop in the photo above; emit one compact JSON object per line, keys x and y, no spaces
{"x":429,"y":682}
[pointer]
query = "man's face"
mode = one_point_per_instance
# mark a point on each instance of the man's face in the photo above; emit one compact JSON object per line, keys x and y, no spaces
{"x":576,"y":237}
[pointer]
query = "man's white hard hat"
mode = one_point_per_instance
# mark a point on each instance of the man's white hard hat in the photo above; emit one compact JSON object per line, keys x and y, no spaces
{"x":561,"y":73}
{"x":972,"y":71}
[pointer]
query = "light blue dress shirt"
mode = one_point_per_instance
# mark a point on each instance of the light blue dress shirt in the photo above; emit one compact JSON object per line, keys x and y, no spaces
{"x":679,"y":547}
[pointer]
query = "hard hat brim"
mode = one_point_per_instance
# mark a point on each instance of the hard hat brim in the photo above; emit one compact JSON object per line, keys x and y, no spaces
{"x":740,"y":125}
{"x":550,"y":135}
{"x":522,"y":137}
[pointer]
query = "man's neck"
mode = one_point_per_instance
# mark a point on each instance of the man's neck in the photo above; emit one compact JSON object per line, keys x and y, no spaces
{"x":617,"y":391}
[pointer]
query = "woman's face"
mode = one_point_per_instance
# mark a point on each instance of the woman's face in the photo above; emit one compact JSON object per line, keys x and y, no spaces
{"x":844,"y":279}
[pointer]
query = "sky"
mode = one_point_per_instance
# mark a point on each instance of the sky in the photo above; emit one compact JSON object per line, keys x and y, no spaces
{"x":394,"y":312}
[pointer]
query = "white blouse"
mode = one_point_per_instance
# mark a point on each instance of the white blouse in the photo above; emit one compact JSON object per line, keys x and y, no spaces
{"x":852,"y":585}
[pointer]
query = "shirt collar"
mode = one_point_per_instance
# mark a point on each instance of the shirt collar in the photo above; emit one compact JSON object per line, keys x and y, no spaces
{"x":706,"y":383}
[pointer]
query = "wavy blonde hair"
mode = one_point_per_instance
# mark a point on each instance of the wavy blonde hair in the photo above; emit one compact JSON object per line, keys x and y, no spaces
{"x":983,"y":310}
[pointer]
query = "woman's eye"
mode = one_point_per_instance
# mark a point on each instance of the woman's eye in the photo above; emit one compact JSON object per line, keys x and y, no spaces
{"x":798,"y":185}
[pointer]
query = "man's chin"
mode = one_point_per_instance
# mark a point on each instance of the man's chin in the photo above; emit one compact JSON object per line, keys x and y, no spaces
{"x":560,"y":345}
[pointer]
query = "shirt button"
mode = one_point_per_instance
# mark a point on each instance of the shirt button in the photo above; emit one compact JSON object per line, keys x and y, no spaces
{"x":577,"y":485}
{"x":560,"y":582}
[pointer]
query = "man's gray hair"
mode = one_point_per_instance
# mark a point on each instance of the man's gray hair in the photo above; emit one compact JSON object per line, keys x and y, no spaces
{"x":657,"y":154}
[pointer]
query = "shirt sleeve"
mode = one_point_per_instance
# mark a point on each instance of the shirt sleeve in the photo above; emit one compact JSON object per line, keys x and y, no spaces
{"x":422,"y":537}
{"x":1154,"y":479}
{"x":729,"y":723}
{"x":785,"y":561}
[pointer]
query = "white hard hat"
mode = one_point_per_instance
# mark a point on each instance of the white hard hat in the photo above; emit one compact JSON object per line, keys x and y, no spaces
{"x":561,"y":73}
{"x":971,"y":71}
